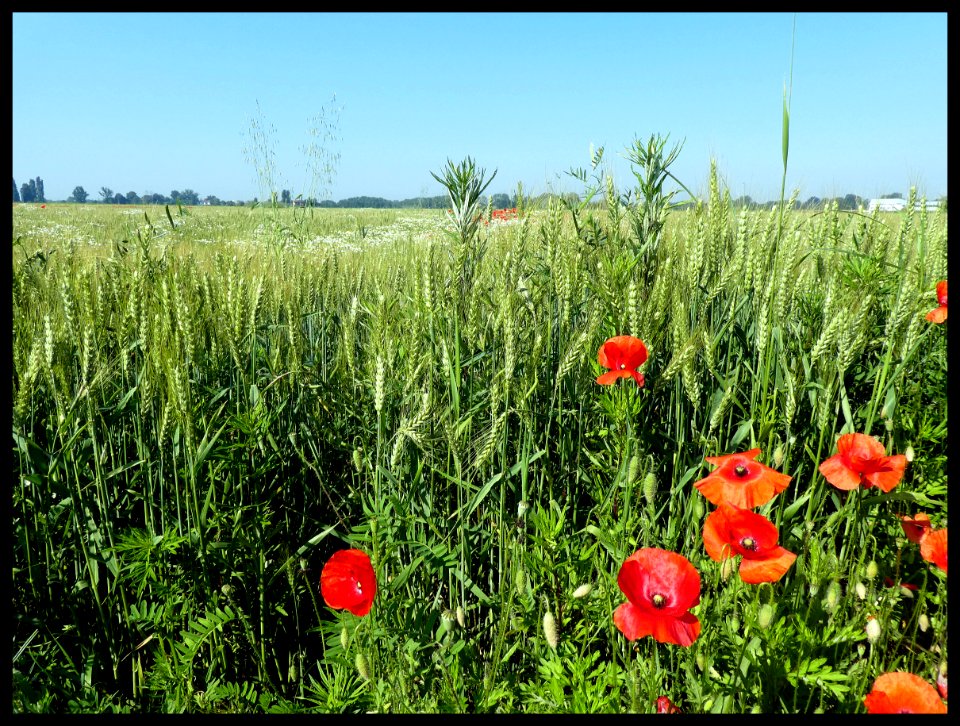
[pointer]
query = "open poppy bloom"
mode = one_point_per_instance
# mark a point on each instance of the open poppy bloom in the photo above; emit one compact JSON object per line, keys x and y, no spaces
{"x":661,"y":586}
{"x":741,"y":481}
{"x":901,"y":692}
{"x":939,"y":314}
{"x":348,"y":581}
{"x":730,"y":531}
{"x":860,"y":460}
{"x":933,"y":547}
{"x":622,"y":354}
{"x":665,"y":705}
{"x":915,"y":527}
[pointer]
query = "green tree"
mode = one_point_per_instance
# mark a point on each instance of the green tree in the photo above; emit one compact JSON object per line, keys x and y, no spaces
{"x":285,"y":197}
{"x":25,"y":194}
{"x":133,"y":198}
{"x":33,"y":190}
{"x":16,"y":194}
{"x":107,"y":194}
{"x":40,"y":197}
{"x":79,"y":195}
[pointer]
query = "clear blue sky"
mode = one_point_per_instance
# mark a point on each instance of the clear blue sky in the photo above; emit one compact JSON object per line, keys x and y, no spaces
{"x":151,"y":102}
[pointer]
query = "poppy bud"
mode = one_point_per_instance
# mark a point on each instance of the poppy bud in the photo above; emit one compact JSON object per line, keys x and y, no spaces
{"x":734,"y":623}
{"x":942,"y":680}
{"x":226,"y":590}
{"x":633,"y":468}
{"x":650,"y":487}
{"x":727,"y":567}
{"x":707,"y":705}
{"x":582,"y":591}
{"x":446,"y":621}
{"x":344,"y":637}
{"x":550,"y":629}
{"x":909,"y":453}
{"x":701,"y":661}
{"x":814,"y":589}
{"x":461,"y":618}
{"x":522,"y":508}
{"x":873,"y":630}
{"x":833,"y":596}
{"x":765,"y":616}
{"x":861,"y":590}
{"x":924,"y":622}
{"x":872,"y":570}
{"x":888,"y":424}
{"x":363,"y":667}
{"x":520,"y":582}
{"x":358,"y":459}
{"x":778,"y":456}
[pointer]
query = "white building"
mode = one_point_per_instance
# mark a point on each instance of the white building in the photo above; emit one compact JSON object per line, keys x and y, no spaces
{"x":898,"y":205}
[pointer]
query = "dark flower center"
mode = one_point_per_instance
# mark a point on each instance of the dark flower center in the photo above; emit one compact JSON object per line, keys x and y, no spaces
{"x":659,"y":601}
{"x":749,"y":543}
{"x":740,"y":470}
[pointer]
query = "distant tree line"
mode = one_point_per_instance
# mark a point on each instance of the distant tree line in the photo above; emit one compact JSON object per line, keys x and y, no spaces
{"x":32,"y":191}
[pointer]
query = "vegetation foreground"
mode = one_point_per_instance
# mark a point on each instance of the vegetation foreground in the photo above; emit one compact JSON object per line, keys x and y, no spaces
{"x":593,"y":457}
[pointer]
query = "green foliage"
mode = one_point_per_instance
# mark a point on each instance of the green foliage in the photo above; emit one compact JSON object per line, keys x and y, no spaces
{"x":209,"y":403}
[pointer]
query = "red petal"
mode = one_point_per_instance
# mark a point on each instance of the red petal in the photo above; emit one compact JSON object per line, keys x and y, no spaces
{"x":942,"y":292}
{"x":349,"y":582}
{"x":721,"y":460}
{"x":770,"y":569}
{"x":611,"y":377}
{"x":915,"y":527}
{"x":902,"y":692}
{"x":933,"y":547}
{"x":890,"y":472}
{"x":836,"y":471}
{"x":938,"y":315}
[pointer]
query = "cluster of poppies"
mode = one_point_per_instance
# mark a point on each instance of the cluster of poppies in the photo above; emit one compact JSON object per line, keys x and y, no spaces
{"x":502,"y":215}
{"x":662,"y":586}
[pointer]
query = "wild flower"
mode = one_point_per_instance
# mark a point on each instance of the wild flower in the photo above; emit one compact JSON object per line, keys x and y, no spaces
{"x":622,"y":354}
{"x":665,"y":705}
{"x":860,"y":460}
{"x":348,"y":581}
{"x":741,"y":481}
{"x":901,"y":692}
{"x":939,"y":314}
{"x":915,"y":527}
{"x":661,"y":587}
{"x":731,"y":531}
{"x":933,"y":547}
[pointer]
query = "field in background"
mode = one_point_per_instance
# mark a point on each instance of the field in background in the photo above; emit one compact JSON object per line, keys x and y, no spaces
{"x":208,"y":402}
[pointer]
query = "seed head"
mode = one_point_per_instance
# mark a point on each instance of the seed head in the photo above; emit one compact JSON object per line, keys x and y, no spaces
{"x":873,"y":630}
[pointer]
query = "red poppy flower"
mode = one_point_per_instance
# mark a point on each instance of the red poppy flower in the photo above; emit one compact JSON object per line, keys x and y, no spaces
{"x":730,"y":531}
{"x":665,"y":705}
{"x":942,"y":681}
{"x":43,"y":206}
{"x":348,"y":581}
{"x":933,"y":547}
{"x":623,"y":354}
{"x":915,"y":527}
{"x":741,"y":481}
{"x":860,"y":460}
{"x":902,"y":692}
{"x":660,"y":586}
{"x":939,"y":314}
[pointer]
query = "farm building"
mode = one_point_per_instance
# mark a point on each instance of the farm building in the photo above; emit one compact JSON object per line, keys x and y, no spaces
{"x":897,"y":205}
